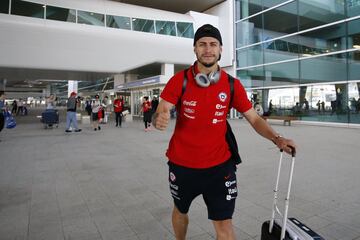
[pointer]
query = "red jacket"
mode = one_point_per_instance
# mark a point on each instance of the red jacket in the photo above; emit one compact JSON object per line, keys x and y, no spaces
{"x":118,"y":105}
{"x":146,"y":106}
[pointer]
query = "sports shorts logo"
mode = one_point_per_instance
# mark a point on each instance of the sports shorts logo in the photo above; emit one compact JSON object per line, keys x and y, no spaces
{"x":172,"y":177}
{"x":229,"y":197}
{"x":222,"y":96}
{"x":229,"y":183}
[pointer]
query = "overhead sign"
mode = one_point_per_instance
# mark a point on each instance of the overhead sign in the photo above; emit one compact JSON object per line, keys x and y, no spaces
{"x":140,"y":83}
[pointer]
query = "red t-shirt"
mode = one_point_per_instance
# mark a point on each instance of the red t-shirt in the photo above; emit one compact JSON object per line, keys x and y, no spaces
{"x":118,"y":105}
{"x":146,"y":106}
{"x":199,"y":137}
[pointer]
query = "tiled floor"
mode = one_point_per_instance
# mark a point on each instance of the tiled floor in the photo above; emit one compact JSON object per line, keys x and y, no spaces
{"x":112,"y":184}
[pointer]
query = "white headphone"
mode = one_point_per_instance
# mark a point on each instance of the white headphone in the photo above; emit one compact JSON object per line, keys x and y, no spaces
{"x":204,"y":80}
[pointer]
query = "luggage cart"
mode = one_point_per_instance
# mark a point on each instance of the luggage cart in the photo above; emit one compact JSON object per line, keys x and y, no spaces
{"x":50,"y":118}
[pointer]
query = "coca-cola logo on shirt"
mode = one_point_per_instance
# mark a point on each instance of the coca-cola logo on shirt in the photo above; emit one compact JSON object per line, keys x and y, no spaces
{"x":190,"y":103}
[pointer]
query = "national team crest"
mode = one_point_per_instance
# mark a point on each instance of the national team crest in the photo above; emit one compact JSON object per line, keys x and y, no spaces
{"x":222,"y":96}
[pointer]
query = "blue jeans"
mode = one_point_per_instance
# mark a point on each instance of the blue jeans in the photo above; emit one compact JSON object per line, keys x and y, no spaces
{"x":71,"y":118}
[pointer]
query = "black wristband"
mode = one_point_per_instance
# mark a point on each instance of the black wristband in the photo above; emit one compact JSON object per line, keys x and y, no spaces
{"x":276,"y":138}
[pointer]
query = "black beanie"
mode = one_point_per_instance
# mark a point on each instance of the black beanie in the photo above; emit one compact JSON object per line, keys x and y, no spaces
{"x":207,"y":30}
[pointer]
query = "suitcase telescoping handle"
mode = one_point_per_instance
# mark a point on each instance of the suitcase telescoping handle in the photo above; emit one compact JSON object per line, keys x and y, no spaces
{"x":275,"y":208}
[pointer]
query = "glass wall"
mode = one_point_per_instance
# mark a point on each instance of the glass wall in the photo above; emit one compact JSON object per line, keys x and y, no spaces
{"x":4,"y":6}
{"x":118,"y":22}
{"x":281,"y":20}
{"x":314,"y":13}
{"x":91,"y":18}
{"x":30,"y":9}
{"x":185,"y":29}
{"x":166,"y":28}
{"x":27,"y":9}
{"x":143,"y":25}
{"x":302,"y":55}
{"x":60,"y":14}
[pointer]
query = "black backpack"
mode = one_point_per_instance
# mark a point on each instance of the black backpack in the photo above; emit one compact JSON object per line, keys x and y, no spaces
{"x":229,"y":136}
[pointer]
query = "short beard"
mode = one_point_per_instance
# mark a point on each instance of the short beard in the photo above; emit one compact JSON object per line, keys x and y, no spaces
{"x":207,"y":65}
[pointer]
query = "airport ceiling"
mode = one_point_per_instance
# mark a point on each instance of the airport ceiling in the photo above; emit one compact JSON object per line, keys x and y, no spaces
{"x":22,"y":80}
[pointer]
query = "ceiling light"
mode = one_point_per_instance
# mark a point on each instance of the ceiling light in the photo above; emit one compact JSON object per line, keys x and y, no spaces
{"x":356,"y":46}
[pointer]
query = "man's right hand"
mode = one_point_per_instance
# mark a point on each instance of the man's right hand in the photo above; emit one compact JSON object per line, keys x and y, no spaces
{"x":161,"y":120}
{"x":161,"y":117}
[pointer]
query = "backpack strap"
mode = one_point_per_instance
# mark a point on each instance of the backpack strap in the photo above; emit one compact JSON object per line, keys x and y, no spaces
{"x":231,"y":82}
{"x":185,"y":81}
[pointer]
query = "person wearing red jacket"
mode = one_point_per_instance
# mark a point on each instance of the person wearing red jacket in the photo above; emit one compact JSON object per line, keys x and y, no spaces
{"x":118,"y":109}
{"x":146,"y":109}
{"x":199,"y":156}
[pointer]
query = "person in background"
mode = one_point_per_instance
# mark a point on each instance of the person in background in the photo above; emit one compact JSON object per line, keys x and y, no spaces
{"x":14,"y":107}
{"x":306,"y":105}
{"x":200,"y":161}
{"x":146,"y":109}
{"x":323,"y":106}
{"x":72,"y":104}
{"x":20,"y":107}
{"x":2,"y":110}
{"x":104,"y":107}
{"x":118,"y":109}
{"x":271,"y":107}
{"x":95,"y":108}
{"x":318,"y":104}
{"x":88,"y":106}
{"x":50,"y":102}
{"x":154,"y":104}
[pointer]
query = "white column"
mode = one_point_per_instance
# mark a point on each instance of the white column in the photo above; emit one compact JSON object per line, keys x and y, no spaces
{"x":72,"y":87}
{"x":3,"y":84}
{"x":119,"y":79}
{"x":167,"y":69}
{"x":129,"y":117}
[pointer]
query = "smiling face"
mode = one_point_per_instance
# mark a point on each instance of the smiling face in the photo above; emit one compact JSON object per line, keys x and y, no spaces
{"x":207,"y":51}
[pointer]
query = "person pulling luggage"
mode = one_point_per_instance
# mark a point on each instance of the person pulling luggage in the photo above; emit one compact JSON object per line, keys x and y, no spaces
{"x":199,"y":156}
{"x":72,"y":104}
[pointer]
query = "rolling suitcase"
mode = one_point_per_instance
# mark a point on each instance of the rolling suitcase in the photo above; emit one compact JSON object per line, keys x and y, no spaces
{"x":50,"y":117}
{"x":286,"y":228}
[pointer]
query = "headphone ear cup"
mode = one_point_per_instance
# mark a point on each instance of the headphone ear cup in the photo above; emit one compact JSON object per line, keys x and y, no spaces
{"x":214,"y":77}
{"x":202,"y":80}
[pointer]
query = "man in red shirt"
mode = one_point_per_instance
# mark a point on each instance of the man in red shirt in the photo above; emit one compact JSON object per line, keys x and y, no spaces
{"x":199,"y":156}
{"x":146,"y":109}
{"x":118,"y":109}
